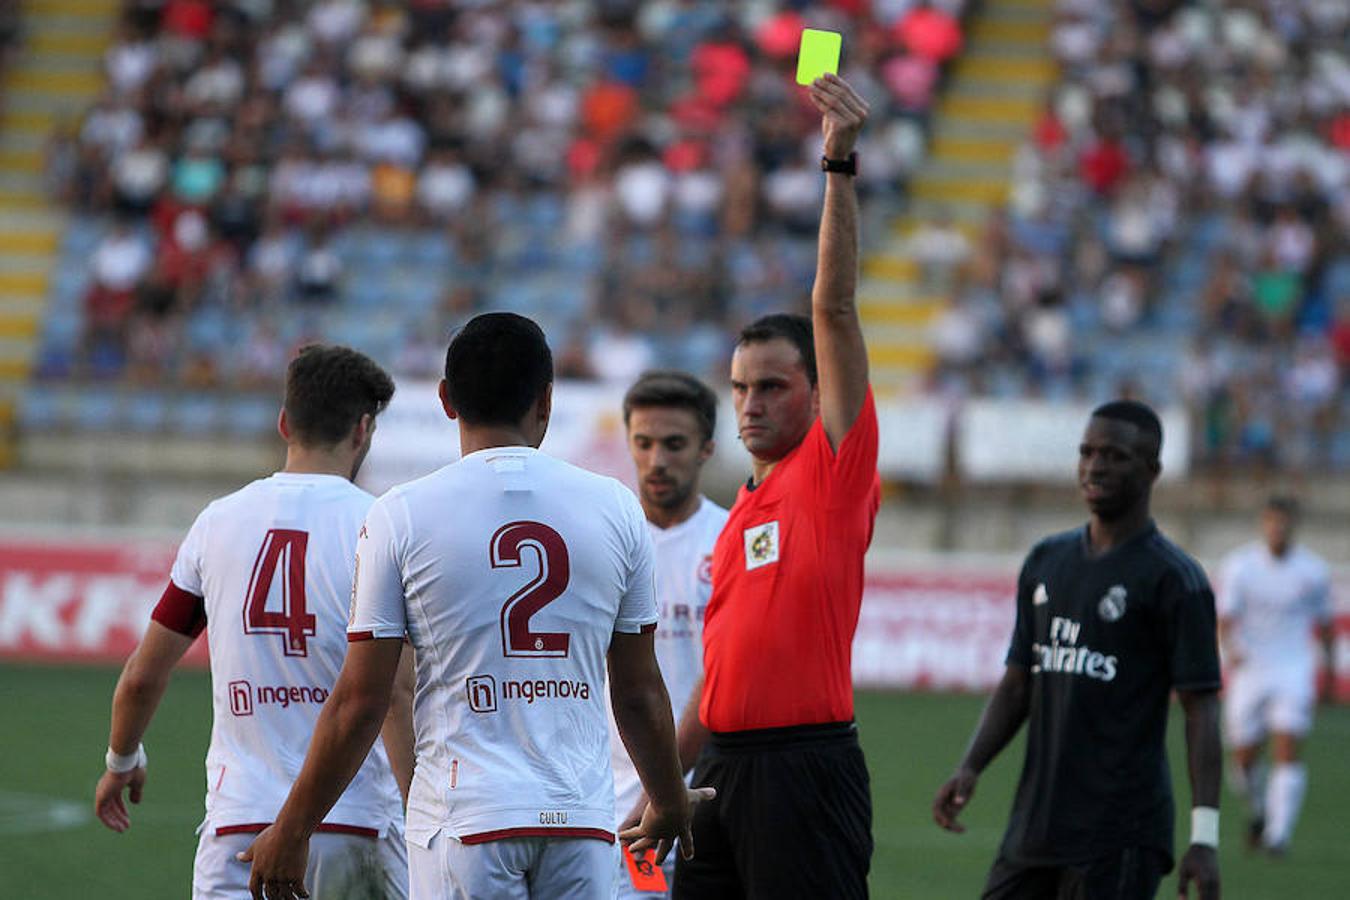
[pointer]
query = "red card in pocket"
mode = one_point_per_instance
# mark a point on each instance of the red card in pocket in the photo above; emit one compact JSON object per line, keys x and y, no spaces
{"x":643,"y":871}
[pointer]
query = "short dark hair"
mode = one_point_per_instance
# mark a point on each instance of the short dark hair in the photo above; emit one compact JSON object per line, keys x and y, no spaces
{"x":328,"y":389}
{"x":673,"y":389}
{"x":795,"y":329}
{"x":496,"y":367}
{"x":1284,"y":503}
{"x":1138,"y":414}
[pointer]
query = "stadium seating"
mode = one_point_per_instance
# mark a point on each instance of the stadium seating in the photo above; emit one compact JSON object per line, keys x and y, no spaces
{"x":576,"y":225}
{"x":571,"y":244}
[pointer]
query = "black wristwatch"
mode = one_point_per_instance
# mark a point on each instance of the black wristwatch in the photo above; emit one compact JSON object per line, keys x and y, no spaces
{"x":846,"y":166}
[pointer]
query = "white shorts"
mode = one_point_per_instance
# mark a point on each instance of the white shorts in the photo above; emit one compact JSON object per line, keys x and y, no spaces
{"x":513,"y":869}
{"x":341,"y":867}
{"x":1259,"y":702}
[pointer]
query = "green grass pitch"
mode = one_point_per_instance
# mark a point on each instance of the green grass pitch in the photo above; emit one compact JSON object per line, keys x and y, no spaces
{"x":56,"y":728}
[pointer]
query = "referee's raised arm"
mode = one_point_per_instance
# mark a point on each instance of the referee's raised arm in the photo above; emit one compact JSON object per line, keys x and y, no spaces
{"x":841,"y":354}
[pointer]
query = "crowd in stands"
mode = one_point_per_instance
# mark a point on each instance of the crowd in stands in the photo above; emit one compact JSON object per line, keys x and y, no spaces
{"x":1177,"y":228}
{"x":641,"y":176}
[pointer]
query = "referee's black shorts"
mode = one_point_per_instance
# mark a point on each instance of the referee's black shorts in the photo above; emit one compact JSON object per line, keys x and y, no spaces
{"x":792,"y":817}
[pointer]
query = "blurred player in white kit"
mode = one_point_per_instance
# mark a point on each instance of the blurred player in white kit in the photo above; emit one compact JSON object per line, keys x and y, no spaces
{"x":670,"y":418}
{"x":267,"y":572}
{"x":515,"y":575}
{"x":1274,"y":595}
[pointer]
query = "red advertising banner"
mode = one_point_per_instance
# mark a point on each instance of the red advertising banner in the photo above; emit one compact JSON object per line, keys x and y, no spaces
{"x":925,"y":628}
{"x":926,"y":624}
{"x":80,"y":602}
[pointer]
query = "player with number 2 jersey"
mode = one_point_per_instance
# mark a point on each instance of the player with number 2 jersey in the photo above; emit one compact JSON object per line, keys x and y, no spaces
{"x":517,"y":577}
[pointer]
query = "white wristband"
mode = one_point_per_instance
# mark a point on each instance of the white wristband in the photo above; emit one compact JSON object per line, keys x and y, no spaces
{"x":123,"y":764}
{"x":1205,"y":826}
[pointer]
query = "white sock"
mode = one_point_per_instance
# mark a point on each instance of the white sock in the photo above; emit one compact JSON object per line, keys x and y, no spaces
{"x":1284,"y":799}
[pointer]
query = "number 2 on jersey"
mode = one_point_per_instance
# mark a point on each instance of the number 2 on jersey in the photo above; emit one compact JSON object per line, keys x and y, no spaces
{"x":543,"y":589}
{"x":294,"y":621}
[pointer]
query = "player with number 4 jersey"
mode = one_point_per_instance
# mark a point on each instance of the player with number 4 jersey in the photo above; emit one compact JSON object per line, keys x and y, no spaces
{"x":269,"y":570}
{"x":511,"y":612}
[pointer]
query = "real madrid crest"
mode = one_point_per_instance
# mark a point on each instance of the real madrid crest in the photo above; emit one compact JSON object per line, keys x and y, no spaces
{"x":1112,"y":605}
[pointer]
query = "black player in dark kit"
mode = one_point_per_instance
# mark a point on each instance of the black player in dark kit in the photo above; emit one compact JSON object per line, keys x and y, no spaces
{"x":1110,"y":619}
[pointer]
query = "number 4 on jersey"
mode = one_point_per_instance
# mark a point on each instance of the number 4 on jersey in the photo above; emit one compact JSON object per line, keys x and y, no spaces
{"x":286,"y":547}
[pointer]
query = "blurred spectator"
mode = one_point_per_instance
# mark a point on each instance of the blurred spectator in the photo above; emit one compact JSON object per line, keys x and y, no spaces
{"x":138,"y":175}
{"x":445,"y":186}
{"x":929,"y":32}
{"x":319,"y":269}
{"x":118,"y":266}
{"x":941,"y":249}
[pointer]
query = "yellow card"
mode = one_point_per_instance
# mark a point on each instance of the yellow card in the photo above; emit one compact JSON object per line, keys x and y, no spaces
{"x":819,"y":54}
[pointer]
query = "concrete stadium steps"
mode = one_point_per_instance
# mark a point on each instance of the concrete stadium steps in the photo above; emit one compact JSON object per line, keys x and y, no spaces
{"x":15,"y":358}
{"x":989,"y":151}
{"x":1017,"y":69}
{"x":889,"y":312}
{"x":906,"y":226}
{"x":66,"y":42}
{"x":53,"y":77}
{"x":985,"y":106}
{"x":995,"y":92}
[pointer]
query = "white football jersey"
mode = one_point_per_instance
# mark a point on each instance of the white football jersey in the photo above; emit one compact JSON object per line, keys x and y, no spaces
{"x":273,"y":562}
{"x":510,"y":571}
{"x":683,"y":586}
{"x":1275,"y":602}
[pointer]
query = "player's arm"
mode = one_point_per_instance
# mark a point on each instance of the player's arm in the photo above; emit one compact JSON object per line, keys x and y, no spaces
{"x":642,"y":714}
{"x":1228,"y":641}
{"x":690,"y":736}
{"x":1204,"y":763}
{"x":350,"y":721}
{"x":690,"y":733}
{"x":140,"y":687}
{"x":397,"y":732}
{"x":1228,"y":607}
{"x":841,"y":354}
{"x":1326,"y":633}
{"x":1003,"y":716}
{"x":1324,"y":616}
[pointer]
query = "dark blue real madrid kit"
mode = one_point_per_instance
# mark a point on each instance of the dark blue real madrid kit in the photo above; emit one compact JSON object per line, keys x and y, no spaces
{"x":1106,"y":639}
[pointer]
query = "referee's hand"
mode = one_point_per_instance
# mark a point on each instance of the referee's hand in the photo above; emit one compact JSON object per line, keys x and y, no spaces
{"x":660,"y":828}
{"x":952,"y":797}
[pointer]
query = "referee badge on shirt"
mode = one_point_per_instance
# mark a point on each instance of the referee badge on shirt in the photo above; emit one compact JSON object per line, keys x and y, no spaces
{"x":761,"y":545}
{"x":1112,"y":605}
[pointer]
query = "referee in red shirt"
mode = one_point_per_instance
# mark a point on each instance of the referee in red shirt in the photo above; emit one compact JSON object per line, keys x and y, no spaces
{"x":793,"y":814}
